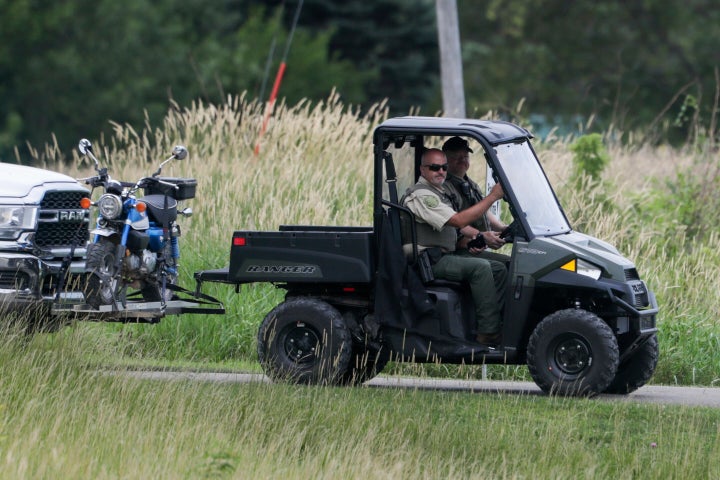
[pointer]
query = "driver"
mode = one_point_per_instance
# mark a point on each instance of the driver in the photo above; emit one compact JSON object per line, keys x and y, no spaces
{"x":437,"y":224}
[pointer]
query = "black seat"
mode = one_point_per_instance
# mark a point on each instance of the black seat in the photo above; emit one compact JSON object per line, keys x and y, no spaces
{"x":157,"y":211}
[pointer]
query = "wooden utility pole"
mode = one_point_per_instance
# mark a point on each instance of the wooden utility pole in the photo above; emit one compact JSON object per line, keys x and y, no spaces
{"x":451,"y":75}
{"x":451,"y":72}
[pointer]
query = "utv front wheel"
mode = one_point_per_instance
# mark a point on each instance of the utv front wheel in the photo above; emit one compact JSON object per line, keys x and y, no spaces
{"x":572,"y":352}
{"x":634,"y":372}
{"x":304,"y":340}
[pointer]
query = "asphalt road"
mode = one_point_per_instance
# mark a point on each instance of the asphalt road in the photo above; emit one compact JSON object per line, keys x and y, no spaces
{"x":688,"y":396}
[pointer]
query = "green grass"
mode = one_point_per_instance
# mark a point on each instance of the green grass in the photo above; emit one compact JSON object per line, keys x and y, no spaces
{"x":62,"y":417}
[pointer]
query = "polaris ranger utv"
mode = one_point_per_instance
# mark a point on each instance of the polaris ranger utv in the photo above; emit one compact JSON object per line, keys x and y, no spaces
{"x":576,"y":311}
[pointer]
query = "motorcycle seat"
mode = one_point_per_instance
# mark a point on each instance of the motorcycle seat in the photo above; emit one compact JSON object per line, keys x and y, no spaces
{"x":156,"y":208}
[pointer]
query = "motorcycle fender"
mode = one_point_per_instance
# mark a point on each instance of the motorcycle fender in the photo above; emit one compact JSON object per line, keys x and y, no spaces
{"x":104,"y":232}
{"x":138,"y":221}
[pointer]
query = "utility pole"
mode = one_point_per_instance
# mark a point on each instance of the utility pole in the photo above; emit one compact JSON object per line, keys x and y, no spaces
{"x":451,"y":72}
{"x":451,"y":76}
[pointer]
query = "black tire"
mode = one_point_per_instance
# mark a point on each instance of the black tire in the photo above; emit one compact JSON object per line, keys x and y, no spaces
{"x":304,"y":340}
{"x":151,"y":292}
{"x":635,"y":372}
{"x":365,"y":364}
{"x":102,"y":283}
{"x":572,"y":353}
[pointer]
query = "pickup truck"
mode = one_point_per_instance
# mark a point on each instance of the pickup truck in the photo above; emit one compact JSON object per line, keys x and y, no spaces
{"x":43,"y":237}
{"x":576,"y":311}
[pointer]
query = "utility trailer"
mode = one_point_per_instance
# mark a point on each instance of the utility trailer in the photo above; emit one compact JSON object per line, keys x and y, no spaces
{"x":576,"y":311}
{"x":136,"y":310}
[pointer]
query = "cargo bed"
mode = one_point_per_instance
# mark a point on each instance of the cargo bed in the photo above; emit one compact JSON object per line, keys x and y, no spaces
{"x":298,"y":254}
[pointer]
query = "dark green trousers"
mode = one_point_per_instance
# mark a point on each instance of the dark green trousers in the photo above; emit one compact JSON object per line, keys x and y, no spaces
{"x":487,"y":279}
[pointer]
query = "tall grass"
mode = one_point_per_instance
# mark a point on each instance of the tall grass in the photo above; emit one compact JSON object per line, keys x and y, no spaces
{"x":315,"y":167}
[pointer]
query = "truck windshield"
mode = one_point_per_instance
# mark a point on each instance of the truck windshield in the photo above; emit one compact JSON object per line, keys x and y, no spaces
{"x":536,"y":200}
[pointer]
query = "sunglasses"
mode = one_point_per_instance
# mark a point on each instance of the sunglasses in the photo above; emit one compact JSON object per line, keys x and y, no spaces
{"x":436,"y":168}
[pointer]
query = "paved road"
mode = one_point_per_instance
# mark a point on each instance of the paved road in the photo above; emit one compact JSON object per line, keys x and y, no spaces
{"x":689,"y":396}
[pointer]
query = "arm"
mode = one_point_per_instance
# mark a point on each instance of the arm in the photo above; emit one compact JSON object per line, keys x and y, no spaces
{"x":466,"y":217}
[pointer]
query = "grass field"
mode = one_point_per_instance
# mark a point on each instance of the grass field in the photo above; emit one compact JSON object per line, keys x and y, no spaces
{"x":61,"y":416}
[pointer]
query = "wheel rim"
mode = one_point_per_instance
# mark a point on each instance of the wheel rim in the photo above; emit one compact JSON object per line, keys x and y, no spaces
{"x":300,"y":343}
{"x":108,"y":281}
{"x":571,"y":355}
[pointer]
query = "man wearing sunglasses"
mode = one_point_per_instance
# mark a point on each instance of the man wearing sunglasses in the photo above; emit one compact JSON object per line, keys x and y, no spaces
{"x":438,"y":224}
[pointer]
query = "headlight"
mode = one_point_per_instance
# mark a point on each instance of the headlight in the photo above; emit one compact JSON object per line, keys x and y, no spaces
{"x":582,"y":267}
{"x":588,"y":269}
{"x":14,"y":219}
{"x":109,"y":206}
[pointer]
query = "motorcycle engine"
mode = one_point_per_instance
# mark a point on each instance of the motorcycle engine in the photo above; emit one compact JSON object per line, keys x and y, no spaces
{"x":136,"y":266}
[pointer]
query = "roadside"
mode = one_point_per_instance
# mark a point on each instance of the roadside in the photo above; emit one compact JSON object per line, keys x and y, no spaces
{"x":666,"y":395}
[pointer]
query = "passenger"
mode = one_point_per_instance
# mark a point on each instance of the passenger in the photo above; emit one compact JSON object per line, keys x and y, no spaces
{"x":437,"y":226}
{"x":468,"y":193}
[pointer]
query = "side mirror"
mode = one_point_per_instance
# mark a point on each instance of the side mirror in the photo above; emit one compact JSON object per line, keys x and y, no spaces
{"x":180,"y":152}
{"x":85,"y":146}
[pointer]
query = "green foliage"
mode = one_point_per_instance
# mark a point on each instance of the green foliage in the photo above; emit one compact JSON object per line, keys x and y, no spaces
{"x":67,"y":69}
{"x":687,"y":202}
{"x":590,"y":157}
{"x":570,"y":58}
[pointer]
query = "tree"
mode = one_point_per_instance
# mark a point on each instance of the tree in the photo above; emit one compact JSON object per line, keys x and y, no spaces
{"x":67,"y":68}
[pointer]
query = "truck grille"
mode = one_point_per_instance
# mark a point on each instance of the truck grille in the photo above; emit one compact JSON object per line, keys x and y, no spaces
{"x":61,"y":221}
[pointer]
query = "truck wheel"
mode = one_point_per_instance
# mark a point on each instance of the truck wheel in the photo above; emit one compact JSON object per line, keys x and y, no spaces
{"x":572,"y":352}
{"x":634,"y":372}
{"x":101,"y":281}
{"x":304,"y":340}
{"x":365,"y":364}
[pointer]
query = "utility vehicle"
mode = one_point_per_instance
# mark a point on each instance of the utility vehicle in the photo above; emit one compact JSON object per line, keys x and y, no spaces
{"x":576,"y":311}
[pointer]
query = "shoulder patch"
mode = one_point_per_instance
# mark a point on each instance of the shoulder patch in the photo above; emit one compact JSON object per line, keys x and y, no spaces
{"x":431,"y":201}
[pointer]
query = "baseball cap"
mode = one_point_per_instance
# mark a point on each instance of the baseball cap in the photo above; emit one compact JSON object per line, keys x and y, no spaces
{"x":454,"y":144}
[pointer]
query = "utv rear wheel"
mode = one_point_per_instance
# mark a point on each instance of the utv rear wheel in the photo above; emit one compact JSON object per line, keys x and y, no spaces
{"x":634,"y":372}
{"x":101,"y":282}
{"x":304,"y":340}
{"x":572,"y":352}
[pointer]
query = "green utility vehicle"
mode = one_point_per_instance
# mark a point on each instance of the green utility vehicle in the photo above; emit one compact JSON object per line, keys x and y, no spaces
{"x":576,"y":311}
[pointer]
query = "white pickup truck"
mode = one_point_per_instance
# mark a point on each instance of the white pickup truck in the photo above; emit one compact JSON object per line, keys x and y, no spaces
{"x":43,"y":238}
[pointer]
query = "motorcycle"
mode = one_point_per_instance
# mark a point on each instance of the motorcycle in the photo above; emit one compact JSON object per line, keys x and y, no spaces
{"x":136,"y":240}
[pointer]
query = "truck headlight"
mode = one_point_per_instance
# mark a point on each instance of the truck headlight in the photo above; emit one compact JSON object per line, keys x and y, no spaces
{"x":109,"y":206}
{"x":582,"y":267}
{"x":15,"y":219}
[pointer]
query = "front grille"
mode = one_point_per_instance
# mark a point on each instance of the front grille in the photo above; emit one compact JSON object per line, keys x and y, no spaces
{"x":62,"y":200}
{"x":73,"y":282}
{"x":14,"y":280}
{"x":62,"y":222}
{"x":631,"y":274}
{"x":640,"y":294}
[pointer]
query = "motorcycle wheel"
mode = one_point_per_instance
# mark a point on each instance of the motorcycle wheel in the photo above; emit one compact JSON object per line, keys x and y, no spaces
{"x":102,"y":283}
{"x":152,"y":291}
